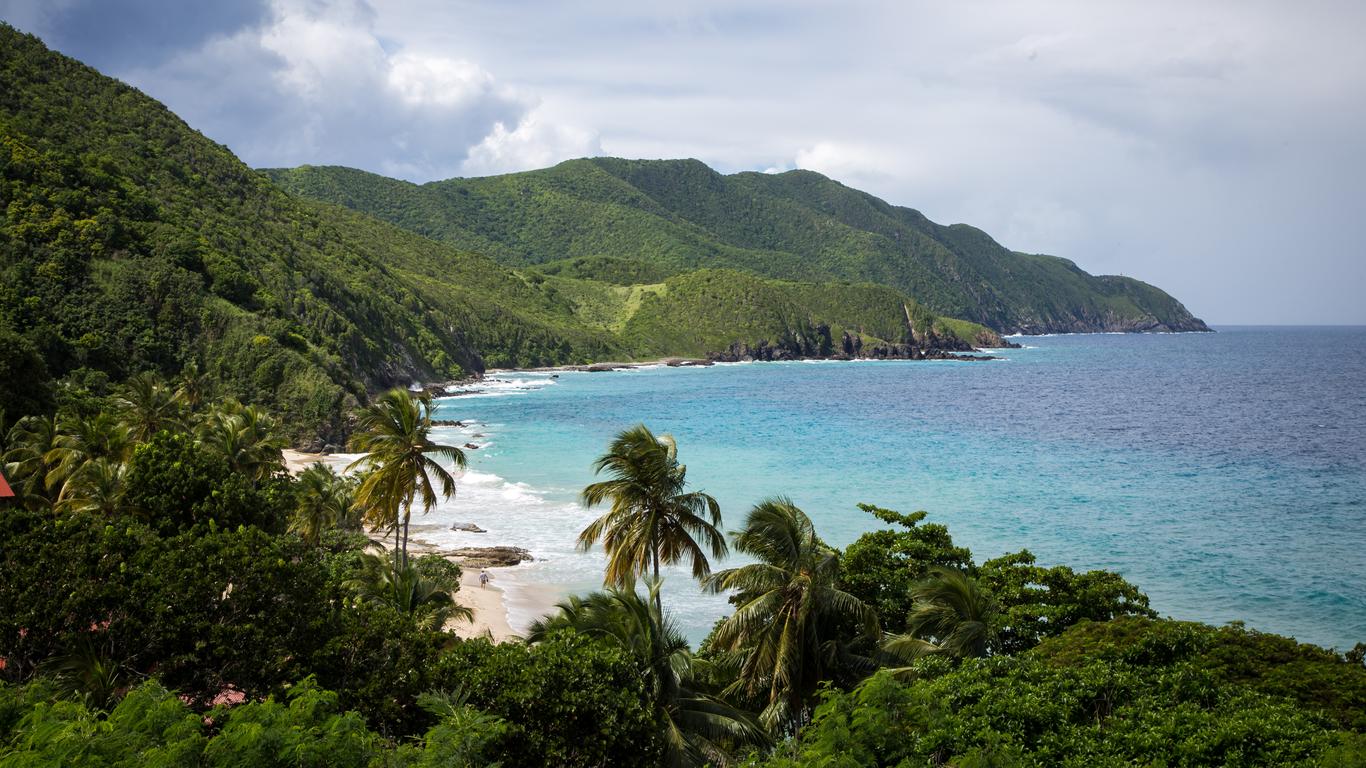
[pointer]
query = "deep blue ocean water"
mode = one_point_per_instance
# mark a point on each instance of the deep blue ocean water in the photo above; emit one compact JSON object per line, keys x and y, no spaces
{"x":1224,"y":474}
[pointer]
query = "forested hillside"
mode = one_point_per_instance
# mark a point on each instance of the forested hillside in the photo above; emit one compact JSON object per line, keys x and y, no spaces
{"x":132,"y":243}
{"x":677,"y":215}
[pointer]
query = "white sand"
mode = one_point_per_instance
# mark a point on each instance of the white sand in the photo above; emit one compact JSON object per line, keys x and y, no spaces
{"x":488,"y":605}
{"x":298,"y":461}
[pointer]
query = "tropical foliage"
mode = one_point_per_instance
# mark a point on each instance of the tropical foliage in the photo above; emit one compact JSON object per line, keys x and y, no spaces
{"x":402,"y":586}
{"x":791,"y":628}
{"x":696,"y":726}
{"x":284,"y":641}
{"x":399,"y":466}
{"x":171,"y":595}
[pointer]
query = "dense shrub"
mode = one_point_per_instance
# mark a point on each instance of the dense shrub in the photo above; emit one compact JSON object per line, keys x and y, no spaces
{"x":568,"y":701}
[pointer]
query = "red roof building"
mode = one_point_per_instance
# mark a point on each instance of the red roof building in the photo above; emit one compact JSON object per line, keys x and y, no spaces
{"x":5,"y":491}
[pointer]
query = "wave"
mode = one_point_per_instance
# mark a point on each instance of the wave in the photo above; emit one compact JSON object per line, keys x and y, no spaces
{"x":546,"y":523}
{"x":502,"y":386}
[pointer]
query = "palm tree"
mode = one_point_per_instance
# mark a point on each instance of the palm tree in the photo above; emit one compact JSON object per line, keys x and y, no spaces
{"x":785,"y":633}
{"x":82,"y":441}
{"x":652,"y":520}
{"x":326,"y":500}
{"x":247,"y":436}
{"x":148,"y":406}
{"x":194,"y":386}
{"x":29,"y":459}
{"x":951,"y":615}
{"x":694,"y":722}
{"x":430,"y":603}
{"x":97,"y":488}
{"x":394,"y":433}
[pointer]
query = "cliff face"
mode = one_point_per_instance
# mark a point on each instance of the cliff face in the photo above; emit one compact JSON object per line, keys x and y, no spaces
{"x":821,"y":346}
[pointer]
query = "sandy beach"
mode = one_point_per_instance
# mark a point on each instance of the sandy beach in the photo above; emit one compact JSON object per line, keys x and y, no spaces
{"x":489,"y":607}
{"x":489,"y":604}
{"x":298,"y":461}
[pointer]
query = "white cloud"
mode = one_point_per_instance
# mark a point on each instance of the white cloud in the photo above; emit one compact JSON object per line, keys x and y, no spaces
{"x":422,"y":81}
{"x":536,"y":142}
{"x":316,"y":84}
{"x":851,"y":162}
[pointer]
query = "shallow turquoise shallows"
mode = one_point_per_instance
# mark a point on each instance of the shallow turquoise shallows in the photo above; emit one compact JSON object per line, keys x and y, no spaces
{"x":1225,"y":473}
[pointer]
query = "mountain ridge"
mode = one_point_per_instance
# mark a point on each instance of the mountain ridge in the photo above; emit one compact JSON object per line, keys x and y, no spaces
{"x":797,"y":225}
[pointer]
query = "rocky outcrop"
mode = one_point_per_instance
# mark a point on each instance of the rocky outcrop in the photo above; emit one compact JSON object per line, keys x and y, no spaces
{"x":819,"y":345}
{"x":488,"y":557}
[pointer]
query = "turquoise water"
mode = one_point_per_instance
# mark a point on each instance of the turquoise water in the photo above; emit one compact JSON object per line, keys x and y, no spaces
{"x":1225,"y":474}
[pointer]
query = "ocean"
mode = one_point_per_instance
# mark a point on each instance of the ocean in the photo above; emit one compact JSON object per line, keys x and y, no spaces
{"x":1223,"y":473}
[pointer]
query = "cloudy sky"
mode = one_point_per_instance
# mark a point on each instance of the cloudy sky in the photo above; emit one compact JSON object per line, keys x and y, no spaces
{"x":1216,"y":149}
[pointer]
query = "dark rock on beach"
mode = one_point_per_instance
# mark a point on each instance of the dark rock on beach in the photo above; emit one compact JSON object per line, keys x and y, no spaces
{"x":489,"y":557}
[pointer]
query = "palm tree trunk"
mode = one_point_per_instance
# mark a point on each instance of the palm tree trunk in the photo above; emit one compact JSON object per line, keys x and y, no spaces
{"x":659,"y":607}
{"x":407,"y":516}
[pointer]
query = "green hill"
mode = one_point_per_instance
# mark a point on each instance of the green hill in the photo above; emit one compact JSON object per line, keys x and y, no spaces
{"x":671,"y":216}
{"x":132,"y":243}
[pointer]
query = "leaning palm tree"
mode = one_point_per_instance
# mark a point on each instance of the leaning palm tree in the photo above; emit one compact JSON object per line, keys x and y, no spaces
{"x":652,"y":519}
{"x":326,"y":500}
{"x":950,"y":615}
{"x":695,"y":724}
{"x":786,"y":632}
{"x":394,"y":432}
{"x":428,"y":602}
{"x":148,"y":406}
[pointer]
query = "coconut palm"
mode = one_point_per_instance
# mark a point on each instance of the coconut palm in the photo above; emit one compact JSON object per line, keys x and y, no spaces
{"x":788,"y":630}
{"x":247,"y":436}
{"x":148,"y":406}
{"x":82,"y":441}
{"x":652,"y":520}
{"x":429,"y":602}
{"x":193,"y":386}
{"x":97,"y":488}
{"x":29,"y":459}
{"x":394,"y":433}
{"x":950,"y":615}
{"x":694,"y":723}
{"x":326,"y":500}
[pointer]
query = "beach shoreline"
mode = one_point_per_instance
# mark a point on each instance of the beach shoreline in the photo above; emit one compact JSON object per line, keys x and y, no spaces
{"x":489,"y":606}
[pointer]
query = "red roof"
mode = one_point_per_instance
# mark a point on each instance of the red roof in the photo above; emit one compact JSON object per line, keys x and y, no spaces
{"x":4,"y":487}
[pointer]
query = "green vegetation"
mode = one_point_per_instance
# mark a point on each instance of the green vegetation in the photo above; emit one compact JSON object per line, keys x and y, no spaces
{"x":792,"y":627}
{"x":639,"y":221}
{"x":130,"y":243}
{"x":173,"y":597}
{"x":393,"y":433}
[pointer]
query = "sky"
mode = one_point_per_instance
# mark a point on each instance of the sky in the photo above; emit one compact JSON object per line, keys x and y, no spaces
{"x":1215,"y":149}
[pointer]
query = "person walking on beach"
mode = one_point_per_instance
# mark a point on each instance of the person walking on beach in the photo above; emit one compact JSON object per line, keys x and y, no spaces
{"x":483,"y":579}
